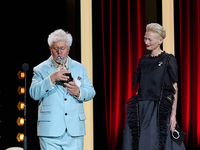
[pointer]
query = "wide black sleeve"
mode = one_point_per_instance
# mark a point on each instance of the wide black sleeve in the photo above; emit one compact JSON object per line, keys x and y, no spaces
{"x":137,"y":75}
{"x":173,"y":70}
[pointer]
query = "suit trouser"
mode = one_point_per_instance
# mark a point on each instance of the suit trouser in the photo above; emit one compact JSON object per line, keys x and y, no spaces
{"x":64,"y":142}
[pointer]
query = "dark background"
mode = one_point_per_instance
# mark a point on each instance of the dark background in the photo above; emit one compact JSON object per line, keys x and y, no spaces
{"x":25,"y":26}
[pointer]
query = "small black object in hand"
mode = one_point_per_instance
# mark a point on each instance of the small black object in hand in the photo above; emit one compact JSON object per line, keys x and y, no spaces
{"x":70,"y":77}
{"x":178,"y":136}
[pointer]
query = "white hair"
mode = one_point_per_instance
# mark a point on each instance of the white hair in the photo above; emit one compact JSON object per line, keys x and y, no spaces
{"x":60,"y":35}
{"x":155,"y":27}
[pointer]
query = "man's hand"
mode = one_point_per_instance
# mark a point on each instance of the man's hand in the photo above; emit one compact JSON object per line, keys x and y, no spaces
{"x":72,"y":88}
{"x":58,"y":75}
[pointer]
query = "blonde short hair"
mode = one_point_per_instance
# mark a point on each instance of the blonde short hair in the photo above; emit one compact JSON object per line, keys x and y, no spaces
{"x":60,"y":35}
{"x":155,"y":27}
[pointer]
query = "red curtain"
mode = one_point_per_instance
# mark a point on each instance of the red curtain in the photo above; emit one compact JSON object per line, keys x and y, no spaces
{"x":123,"y":28}
{"x":189,"y":20}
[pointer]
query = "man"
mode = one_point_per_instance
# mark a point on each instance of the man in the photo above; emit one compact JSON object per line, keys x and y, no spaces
{"x":61,"y":118}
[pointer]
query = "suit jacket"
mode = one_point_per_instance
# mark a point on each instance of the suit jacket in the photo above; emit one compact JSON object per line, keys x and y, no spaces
{"x":57,"y":109}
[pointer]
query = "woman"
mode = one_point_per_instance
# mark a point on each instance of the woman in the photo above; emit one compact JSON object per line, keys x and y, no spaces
{"x":151,"y":114}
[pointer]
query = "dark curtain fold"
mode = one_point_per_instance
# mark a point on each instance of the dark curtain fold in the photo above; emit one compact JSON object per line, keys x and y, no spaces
{"x":123,"y":28}
{"x":189,"y":28}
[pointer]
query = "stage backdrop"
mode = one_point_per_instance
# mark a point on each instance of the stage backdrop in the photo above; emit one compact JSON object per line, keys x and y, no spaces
{"x":122,"y":27}
{"x":188,"y":29}
{"x":118,"y":45}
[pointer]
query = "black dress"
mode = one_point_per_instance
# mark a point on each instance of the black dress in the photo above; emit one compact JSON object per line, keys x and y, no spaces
{"x":146,"y":128}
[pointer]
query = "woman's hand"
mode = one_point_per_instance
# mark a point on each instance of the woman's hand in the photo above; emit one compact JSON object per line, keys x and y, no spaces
{"x":172,"y":122}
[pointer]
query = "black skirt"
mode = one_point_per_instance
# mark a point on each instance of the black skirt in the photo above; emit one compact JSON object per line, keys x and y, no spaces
{"x":147,"y":137}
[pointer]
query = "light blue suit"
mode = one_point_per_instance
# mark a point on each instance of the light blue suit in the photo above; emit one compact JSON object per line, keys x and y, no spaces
{"x":58,"y":110}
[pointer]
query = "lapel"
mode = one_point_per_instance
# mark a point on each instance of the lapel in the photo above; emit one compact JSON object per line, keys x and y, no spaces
{"x":71,"y":64}
{"x":50,"y":66}
{"x":51,"y":69}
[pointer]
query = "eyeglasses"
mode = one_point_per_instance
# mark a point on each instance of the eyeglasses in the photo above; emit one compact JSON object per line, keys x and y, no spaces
{"x":59,"y":48}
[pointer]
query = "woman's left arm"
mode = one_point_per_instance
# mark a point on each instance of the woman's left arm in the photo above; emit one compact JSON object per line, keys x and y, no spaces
{"x":174,"y":106}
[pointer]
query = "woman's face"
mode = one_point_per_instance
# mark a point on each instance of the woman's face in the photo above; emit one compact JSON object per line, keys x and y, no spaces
{"x":152,"y":40}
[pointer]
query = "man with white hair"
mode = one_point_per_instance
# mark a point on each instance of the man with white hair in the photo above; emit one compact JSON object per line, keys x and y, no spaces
{"x":61,"y":85}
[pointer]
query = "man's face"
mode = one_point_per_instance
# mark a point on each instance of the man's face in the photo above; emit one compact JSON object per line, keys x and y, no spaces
{"x":59,"y":49}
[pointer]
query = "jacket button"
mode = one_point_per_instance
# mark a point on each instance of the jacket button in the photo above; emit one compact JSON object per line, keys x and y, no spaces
{"x":65,"y":99}
{"x":47,"y":90}
{"x":65,"y":114}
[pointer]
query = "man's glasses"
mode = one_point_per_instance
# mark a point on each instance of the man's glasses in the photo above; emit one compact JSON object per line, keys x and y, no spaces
{"x":59,"y":48}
